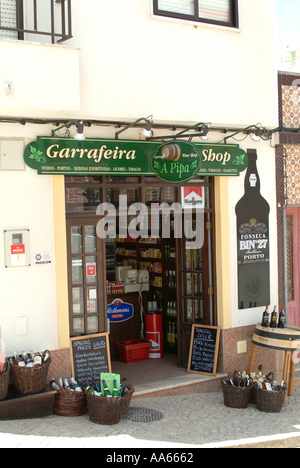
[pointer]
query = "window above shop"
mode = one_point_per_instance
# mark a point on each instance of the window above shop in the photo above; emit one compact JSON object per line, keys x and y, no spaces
{"x":46,"y":21}
{"x":219,"y":12}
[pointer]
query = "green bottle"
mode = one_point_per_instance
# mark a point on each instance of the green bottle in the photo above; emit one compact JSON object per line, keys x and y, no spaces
{"x":106,"y":390}
{"x":115,"y":390}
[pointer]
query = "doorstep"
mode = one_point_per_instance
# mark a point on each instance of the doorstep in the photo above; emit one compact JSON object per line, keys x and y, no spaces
{"x":17,"y":406}
{"x":180,"y":385}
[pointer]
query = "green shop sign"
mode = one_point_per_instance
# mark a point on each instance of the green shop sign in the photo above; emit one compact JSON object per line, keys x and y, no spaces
{"x":175,"y":161}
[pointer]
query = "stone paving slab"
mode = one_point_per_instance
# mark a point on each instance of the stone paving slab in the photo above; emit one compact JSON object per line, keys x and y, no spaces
{"x":198,"y":420}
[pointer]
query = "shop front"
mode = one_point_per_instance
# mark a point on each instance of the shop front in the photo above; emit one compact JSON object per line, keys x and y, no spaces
{"x":140,"y":229}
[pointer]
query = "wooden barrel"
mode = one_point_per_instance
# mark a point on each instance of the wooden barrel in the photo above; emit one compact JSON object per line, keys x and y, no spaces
{"x":287,"y":339}
{"x":171,"y":152}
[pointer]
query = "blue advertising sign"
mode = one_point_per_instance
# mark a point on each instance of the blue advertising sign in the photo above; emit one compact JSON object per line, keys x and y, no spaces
{"x":119,"y":311}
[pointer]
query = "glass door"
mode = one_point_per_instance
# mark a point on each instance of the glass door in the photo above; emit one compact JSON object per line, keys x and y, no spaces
{"x":196,"y":289}
{"x":86,"y":277}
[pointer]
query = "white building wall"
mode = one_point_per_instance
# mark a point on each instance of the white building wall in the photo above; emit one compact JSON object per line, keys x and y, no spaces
{"x":123,"y":64}
{"x":26,"y":202}
{"x":133,"y":64}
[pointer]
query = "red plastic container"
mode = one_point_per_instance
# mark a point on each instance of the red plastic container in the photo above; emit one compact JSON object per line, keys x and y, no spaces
{"x":133,"y":350}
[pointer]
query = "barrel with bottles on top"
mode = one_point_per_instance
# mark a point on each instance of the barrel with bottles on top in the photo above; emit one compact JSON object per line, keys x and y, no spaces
{"x":29,"y":371}
{"x":273,"y":333}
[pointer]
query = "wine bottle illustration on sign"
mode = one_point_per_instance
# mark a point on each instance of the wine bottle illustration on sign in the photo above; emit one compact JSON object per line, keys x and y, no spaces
{"x":252,"y":213}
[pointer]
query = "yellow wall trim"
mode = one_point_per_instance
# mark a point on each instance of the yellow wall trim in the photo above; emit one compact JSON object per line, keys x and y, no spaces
{"x":222,"y":252}
{"x":61,"y":261}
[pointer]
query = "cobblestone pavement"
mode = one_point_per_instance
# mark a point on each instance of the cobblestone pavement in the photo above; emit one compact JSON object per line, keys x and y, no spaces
{"x":188,"y":421}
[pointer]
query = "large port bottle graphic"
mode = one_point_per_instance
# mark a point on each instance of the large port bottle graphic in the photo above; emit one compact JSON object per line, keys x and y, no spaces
{"x":253,"y":248}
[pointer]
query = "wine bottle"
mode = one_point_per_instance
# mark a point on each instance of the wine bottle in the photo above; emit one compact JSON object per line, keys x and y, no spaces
{"x":169,"y":335}
{"x":66,"y":384}
{"x":154,"y":303}
{"x":160,"y":304}
{"x":98,"y":387}
{"x":150,"y":301}
{"x":173,"y":335}
{"x":174,"y":280}
{"x":46,"y":356}
{"x":266,"y":318}
{"x":38,"y":359}
{"x":274,"y":318}
{"x":115,"y":390}
{"x":274,"y":386}
{"x":281,"y":322}
{"x":75,"y":386}
{"x":106,"y":390}
{"x":19,"y":361}
{"x":252,"y":212}
{"x":54,"y":386}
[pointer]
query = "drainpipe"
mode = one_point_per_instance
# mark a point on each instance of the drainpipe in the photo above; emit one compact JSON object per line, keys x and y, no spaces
{"x":285,"y":264}
{"x":284,"y":236}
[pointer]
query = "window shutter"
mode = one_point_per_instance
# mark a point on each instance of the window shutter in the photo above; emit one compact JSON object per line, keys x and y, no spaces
{"x":8,"y":18}
{"x":184,"y":7}
{"x":218,"y":10}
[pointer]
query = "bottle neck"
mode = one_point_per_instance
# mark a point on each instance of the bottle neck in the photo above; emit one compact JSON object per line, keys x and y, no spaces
{"x":252,"y":180}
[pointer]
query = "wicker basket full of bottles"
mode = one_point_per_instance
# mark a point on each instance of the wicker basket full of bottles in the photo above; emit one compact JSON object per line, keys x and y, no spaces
{"x":235,"y":397}
{"x":4,"y":382}
{"x":107,"y":411}
{"x":69,"y":403}
{"x":270,"y":401}
{"x":31,"y":380}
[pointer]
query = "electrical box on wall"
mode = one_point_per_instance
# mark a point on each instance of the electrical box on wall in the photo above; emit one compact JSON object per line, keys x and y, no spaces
{"x":16,"y":244}
{"x":11,"y":155}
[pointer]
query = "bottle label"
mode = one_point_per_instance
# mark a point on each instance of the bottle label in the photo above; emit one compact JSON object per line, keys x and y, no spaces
{"x":253,"y":180}
{"x":37,"y":360}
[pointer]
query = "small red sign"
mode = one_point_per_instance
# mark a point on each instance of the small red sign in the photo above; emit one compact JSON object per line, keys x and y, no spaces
{"x":18,"y":249}
{"x":196,"y":191}
{"x":91,"y":270}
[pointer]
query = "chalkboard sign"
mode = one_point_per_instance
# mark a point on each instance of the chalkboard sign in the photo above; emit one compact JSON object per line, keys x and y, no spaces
{"x":90,"y":355}
{"x":204,"y":350}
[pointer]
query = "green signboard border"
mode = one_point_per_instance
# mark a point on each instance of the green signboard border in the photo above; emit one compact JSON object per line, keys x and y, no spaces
{"x":66,"y":156}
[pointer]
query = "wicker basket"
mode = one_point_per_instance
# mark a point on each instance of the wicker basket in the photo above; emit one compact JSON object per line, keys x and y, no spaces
{"x":270,"y":378}
{"x":235,"y":397}
{"x":69,"y":403}
{"x":4,"y":383}
{"x":269,"y":401}
{"x":109,"y":410}
{"x":127,"y":397}
{"x":30,"y":380}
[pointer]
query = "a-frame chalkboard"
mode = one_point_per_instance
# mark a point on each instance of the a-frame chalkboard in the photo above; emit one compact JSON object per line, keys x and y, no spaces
{"x":90,"y":355}
{"x":204,"y":349}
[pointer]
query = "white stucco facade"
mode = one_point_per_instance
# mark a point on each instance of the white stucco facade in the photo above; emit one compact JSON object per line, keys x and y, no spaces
{"x":122,"y":64}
